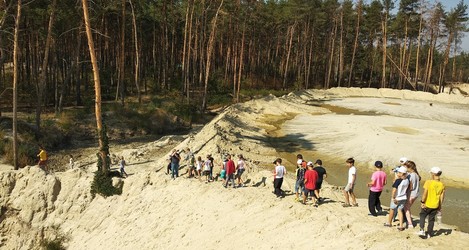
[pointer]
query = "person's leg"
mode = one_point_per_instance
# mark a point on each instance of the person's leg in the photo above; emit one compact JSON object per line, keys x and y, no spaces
{"x":431,"y":221}
{"x":391,"y":216}
{"x":347,"y":202}
{"x":408,"y":216}
{"x":400,"y":215}
{"x":352,"y":195}
{"x":232,"y":180}
{"x":211,"y":173}
{"x":372,"y":203}
{"x":297,"y":187}
{"x":280,"y":186}
{"x":423,"y":214}
{"x":173,"y":171}
{"x":305,"y":196}
{"x":276,"y":187}
{"x":378,"y":202}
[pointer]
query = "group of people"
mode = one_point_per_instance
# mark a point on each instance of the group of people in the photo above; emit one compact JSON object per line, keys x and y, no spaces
{"x":198,"y":168}
{"x":309,"y":178}
{"x":405,"y":191}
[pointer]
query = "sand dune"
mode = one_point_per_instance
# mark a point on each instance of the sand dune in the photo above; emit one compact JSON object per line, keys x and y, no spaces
{"x":155,"y":212}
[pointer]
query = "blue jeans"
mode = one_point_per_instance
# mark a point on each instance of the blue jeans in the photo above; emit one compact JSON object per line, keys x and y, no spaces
{"x":174,"y":170}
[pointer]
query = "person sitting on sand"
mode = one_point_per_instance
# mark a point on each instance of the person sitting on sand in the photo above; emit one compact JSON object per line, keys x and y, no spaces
{"x":352,"y":177}
{"x":300,"y":176}
{"x":279,"y":173}
{"x":322,"y":174}
{"x":311,"y":178}
{"x":378,"y":180}
{"x":400,"y":190}
{"x":432,"y":201}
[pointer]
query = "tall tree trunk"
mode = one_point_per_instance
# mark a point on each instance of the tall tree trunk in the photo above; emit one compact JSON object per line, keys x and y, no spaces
{"x":285,"y":73}
{"x":417,"y":59}
{"x":137,"y":55}
{"x":384,"y":31}
{"x":445,"y":62}
{"x":41,"y":85}
{"x":209,"y":54}
{"x":341,"y":49}
{"x":355,"y":43}
{"x":103,"y":150}
{"x":15,"y":85}
{"x":121,"y":72}
{"x":241,"y":59}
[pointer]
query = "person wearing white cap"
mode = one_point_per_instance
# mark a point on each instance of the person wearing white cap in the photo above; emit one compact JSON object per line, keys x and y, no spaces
{"x":400,"y":189}
{"x":432,"y":201}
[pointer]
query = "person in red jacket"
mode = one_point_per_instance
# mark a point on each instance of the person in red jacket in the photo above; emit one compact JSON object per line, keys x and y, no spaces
{"x":311,"y":177}
{"x":230,"y":170}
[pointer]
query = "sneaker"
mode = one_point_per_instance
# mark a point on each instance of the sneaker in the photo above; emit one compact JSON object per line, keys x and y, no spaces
{"x":422,"y":233}
{"x":346,"y":205}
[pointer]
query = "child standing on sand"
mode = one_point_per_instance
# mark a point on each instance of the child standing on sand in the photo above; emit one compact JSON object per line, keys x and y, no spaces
{"x":432,"y":201}
{"x":199,"y":164}
{"x":207,"y":166}
{"x":122,"y":165}
{"x":378,"y":180}
{"x":352,"y":177}
{"x":311,"y":177}
{"x":400,"y":190}
{"x":414,"y":178}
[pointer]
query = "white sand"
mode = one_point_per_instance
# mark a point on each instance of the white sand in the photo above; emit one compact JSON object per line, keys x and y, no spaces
{"x":155,"y":212}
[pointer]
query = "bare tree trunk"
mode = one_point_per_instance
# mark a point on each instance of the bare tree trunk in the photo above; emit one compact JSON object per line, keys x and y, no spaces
{"x":417,"y":59}
{"x":331,"y":55}
{"x":240,"y":70}
{"x":445,"y":62}
{"x":137,"y":54}
{"x":15,"y":85}
{"x":384,"y":31}
{"x":209,"y":54}
{"x":341,"y":49}
{"x":292,"y":30}
{"x":121,"y":71}
{"x":103,"y":151}
{"x":355,"y":43}
{"x":42,"y":77}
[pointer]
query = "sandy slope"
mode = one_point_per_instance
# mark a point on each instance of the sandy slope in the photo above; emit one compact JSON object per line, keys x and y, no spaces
{"x":155,"y":212}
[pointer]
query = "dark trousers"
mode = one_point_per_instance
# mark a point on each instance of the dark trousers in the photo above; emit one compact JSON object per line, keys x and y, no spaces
{"x":374,"y":202}
{"x":431,"y":213}
{"x":278,"y":186}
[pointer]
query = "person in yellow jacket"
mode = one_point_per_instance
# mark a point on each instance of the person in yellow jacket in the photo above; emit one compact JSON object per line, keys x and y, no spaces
{"x":42,"y":158}
{"x":432,"y":200}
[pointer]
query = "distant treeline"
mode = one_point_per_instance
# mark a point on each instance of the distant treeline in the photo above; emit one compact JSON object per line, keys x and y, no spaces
{"x":198,"y":47}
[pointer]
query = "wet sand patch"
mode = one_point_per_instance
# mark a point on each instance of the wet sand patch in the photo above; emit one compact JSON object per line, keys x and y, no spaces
{"x":402,"y":130}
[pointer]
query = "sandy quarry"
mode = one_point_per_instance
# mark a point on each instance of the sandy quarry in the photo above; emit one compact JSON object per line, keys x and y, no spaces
{"x":155,"y":212}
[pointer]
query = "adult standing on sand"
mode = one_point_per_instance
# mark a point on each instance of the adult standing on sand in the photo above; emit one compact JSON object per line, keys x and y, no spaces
{"x":378,"y":180}
{"x":352,"y":177}
{"x":175,"y":158}
{"x":42,"y":159}
{"x":279,"y":173}
{"x":432,"y":201}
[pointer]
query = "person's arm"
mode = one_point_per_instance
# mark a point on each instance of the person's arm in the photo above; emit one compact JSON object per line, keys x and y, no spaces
{"x":424,"y":198}
{"x":371,"y":183}
{"x":442,"y":198}
{"x":354,"y":176}
{"x":393,"y":195}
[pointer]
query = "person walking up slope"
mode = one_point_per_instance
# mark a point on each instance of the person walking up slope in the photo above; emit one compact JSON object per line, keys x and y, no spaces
{"x":432,"y":201}
{"x":230,"y":170}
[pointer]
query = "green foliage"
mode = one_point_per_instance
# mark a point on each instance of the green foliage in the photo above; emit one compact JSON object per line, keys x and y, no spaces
{"x":102,"y":181}
{"x":102,"y":184}
{"x":55,"y":244}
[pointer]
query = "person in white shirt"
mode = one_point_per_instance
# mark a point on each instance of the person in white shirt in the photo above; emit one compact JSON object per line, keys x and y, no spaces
{"x":352,"y":177}
{"x":279,"y":173}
